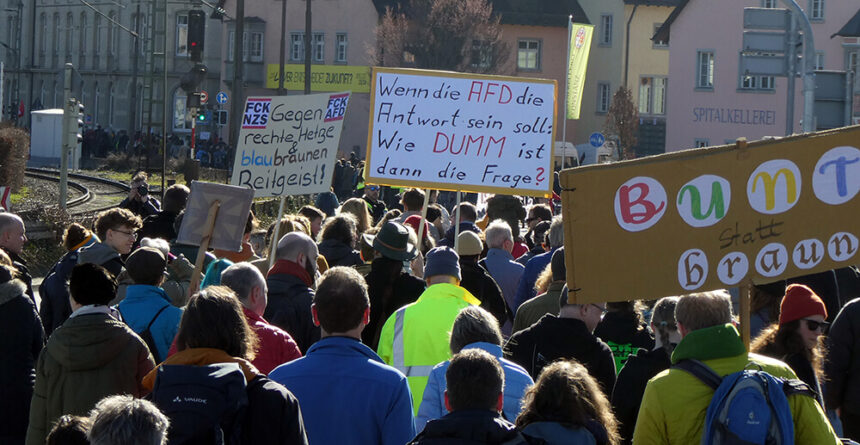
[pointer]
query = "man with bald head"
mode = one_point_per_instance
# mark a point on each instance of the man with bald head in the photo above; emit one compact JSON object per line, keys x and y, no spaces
{"x":12,"y":239}
{"x":290,"y":282}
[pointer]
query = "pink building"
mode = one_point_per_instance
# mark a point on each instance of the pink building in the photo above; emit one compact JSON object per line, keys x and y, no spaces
{"x":710,"y":101}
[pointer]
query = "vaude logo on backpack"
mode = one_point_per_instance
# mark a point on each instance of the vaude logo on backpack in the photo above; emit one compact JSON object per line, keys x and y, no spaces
{"x":205,"y":404}
{"x":748,"y":407}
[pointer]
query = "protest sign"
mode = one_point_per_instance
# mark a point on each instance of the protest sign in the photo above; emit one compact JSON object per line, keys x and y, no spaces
{"x":712,"y":218}
{"x":235,"y":203}
{"x":323,"y":77}
{"x":288,"y":144}
{"x":454,"y":131}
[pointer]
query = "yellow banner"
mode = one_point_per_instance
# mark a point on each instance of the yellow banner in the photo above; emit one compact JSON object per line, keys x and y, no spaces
{"x":577,"y":62}
{"x":323,"y":77}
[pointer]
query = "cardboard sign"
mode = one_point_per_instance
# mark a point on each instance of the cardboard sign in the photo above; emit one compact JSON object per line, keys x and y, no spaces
{"x":706,"y":219}
{"x":288,"y":144}
{"x":466,"y":132}
{"x":231,"y":220}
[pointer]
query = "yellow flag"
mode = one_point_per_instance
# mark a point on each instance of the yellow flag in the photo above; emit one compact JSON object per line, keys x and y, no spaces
{"x":577,"y":62}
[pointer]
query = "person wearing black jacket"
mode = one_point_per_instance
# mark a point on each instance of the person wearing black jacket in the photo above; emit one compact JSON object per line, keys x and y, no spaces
{"x":337,"y":241}
{"x":20,"y":344}
{"x":623,"y":330}
{"x":390,"y":286}
{"x":290,"y":294}
{"x":12,"y":240}
{"x":161,"y":225}
{"x":570,"y":335}
{"x":645,"y":364}
{"x":842,"y":368}
{"x":478,"y":281}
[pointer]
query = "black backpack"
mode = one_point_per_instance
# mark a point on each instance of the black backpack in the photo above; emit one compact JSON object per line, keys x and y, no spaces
{"x":146,"y":335}
{"x":205,"y":404}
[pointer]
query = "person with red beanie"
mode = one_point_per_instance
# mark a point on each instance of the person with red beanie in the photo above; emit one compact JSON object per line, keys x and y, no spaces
{"x":796,"y":338}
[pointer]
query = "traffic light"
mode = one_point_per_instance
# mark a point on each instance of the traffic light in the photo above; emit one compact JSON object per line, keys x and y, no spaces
{"x":196,"y":34}
{"x":74,"y":115}
{"x":221,"y":117}
{"x":190,"y":81}
{"x":78,"y":127}
{"x":203,"y":116}
{"x":193,"y":100}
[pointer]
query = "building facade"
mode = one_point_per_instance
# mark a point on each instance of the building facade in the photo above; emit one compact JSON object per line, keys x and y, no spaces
{"x":711,"y":102}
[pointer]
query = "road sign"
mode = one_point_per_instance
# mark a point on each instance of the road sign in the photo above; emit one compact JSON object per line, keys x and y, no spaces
{"x":89,"y":119}
{"x":760,"y":65}
{"x":766,"y":18}
{"x":765,"y":42}
{"x":597,"y":139}
{"x":221,"y":97}
{"x":221,"y":117}
{"x":204,"y":96}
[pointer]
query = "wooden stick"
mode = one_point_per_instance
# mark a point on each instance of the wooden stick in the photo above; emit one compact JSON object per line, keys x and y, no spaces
{"x":745,"y":297}
{"x":204,"y":246}
{"x":423,"y":218}
{"x":276,"y":233}
{"x":457,"y":225}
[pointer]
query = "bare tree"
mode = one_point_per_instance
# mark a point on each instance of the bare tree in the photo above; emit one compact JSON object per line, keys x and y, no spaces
{"x":622,"y":122}
{"x":458,"y":35}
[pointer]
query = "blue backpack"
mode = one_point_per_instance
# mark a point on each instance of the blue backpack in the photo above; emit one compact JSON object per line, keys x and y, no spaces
{"x":748,"y":406}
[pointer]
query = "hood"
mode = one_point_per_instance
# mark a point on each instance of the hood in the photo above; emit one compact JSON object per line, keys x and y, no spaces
{"x":476,"y":425}
{"x":710,"y":343}
{"x":98,"y":253}
{"x":143,"y":294}
{"x":201,"y":357}
{"x":552,"y":330}
{"x":619,"y":327}
{"x":11,"y":289}
{"x":88,"y":341}
{"x":556,"y":433}
{"x":334,"y":250}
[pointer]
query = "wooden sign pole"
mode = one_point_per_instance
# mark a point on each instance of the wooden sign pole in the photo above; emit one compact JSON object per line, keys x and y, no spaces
{"x":745,"y":297}
{"x":204,"y":246}
{"x":423,"y":218}
{"x":457,"y":225}
{"x":277,"y":232}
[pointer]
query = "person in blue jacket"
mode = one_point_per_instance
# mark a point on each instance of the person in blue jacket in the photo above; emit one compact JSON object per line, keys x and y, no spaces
{"x":343,"y":381}
{"x":474,"y":328}
{"x":146,"y":305}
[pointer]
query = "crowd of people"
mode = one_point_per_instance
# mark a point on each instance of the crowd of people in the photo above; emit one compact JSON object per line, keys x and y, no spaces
{"x":384,"y":322}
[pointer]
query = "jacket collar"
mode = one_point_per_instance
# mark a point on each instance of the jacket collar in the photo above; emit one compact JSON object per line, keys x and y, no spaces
{"x":143,"y":291}
{"x":710,"y":343}
{"x":449,"y":290}
{"x":253,"y":316}
{"x":94,"y":309}
{"x":495,"y":350}
{"x":14,"y":256}
{"x":343,"y":343}
{"x":201,"y":357}
{"x":293,"y":268}
{"x":495,"y":251}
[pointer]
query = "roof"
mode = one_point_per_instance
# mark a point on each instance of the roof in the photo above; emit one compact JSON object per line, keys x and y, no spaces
{"x":851,"y":29}
{"x":521,"y":12}
{"x":662,"y":34}
{"x":653,"y":2}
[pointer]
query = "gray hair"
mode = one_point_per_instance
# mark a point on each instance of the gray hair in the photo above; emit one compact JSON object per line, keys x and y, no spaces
{"x":8,"y":220}
{"x":126,"y":420}
{"x":556,"y":232}
{"x":474,"y":324}
{"x":293,"y":243}
{"x":242,"y":278}
{"x":497,"y":233}
{"x":704,"y":309}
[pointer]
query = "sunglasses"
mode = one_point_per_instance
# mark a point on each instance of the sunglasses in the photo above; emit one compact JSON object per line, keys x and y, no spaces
{"x":814,"y":325}
{"x":373,"y":188}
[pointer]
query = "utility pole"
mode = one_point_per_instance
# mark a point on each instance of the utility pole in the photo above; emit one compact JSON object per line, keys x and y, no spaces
{"x":281,"y":90}
{"x":238,"y":56}
{"x":308,"y":36}
{"x":134,"y":70}
{"x":68,"y":112}
{"x":791,"y":57}
{"x":808,"y":66}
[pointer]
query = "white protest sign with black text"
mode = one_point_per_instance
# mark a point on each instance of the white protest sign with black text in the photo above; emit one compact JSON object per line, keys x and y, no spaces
{"x":288,"y":144}
{"x":466,"y":132}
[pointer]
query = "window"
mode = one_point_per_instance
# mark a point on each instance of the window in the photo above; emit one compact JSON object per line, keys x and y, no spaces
{"x":652,"y":95}
{"x":528,"y":54}
{"x":757,"y":83}
{"x":606,"y":30}
{"x":816,"y":9}
{"x":297,"y":47}
{"x":819,"y":60}
{"x":701,"y":142}
{"x":111,"y":110}
{"x":604,"y":97}
{"x":705,"y":70}
{"x":252,"y":46}
{"x":43,"y":39}
{"x":113,"y":34}
{"x":182,"y":35}
{"x":481,"y":57}
{"x":319,"y":47}
{"x":181,"y":117}
{"x":85,"y":29}
{"x":768,"y":3}
{"x":57,"y":32}
{"x":97,"y":30}
{"x":340,"y":48}
{"x":658,"y":43}
{"x":852,"y":62}
{"x":69,"y":28}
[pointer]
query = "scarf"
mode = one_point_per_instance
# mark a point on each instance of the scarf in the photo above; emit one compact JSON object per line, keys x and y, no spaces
{"x":291,"y":268}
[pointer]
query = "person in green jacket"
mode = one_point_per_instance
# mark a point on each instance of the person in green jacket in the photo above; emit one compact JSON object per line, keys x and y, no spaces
{"x":415,"y":338}
{"x":90,"y":356}
{"x":675,"y":402}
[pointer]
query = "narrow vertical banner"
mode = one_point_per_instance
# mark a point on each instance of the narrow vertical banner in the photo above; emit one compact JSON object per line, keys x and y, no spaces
{"x":577,"y":63}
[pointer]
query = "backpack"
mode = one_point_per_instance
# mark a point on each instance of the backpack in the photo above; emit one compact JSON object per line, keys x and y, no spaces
{"x":748,"y":406}
{"x":146,"y":335}
{"x":205,"y":404}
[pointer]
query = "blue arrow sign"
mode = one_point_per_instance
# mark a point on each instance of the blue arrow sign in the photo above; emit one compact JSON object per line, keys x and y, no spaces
{"x":597,"y":140}
{"x":221,"y":98}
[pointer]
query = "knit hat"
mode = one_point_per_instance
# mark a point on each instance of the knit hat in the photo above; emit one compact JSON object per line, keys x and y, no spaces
{"x":469,"y":244}
{"x":442,"y":261}
{"x":146,"y":265}
{"x":559,"y":270}
{"x":800,"y":302}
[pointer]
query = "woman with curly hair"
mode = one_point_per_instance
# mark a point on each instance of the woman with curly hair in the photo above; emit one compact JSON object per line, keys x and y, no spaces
{"x":337,"y":241}
{"x":357,"y":207}
{"x":567,"y":406}
{"x":796,"y":338}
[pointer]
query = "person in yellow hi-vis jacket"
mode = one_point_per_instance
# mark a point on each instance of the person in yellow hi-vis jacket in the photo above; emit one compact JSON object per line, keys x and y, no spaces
{"x":416,"y":337}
